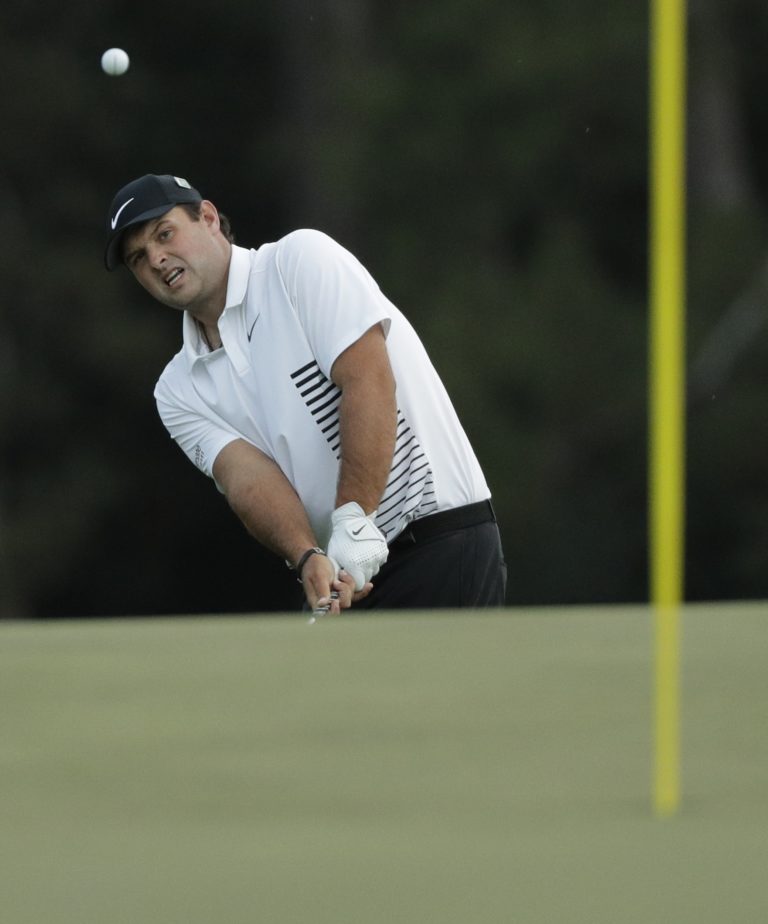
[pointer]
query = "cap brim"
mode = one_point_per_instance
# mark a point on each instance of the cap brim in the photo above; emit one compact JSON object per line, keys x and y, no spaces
{"x":112,"y":255}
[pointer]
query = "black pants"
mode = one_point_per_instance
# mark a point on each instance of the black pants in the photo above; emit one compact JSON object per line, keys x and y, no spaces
{"x":439,"y":562}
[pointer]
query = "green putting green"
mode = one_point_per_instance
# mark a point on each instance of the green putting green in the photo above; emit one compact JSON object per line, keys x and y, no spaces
{"x":375,"y":769}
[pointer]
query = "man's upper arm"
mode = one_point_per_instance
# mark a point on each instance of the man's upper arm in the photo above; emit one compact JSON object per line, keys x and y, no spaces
{"x":367,"y":357}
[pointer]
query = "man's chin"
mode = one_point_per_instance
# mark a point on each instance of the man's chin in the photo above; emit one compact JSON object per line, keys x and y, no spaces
{"x":173,"y":299}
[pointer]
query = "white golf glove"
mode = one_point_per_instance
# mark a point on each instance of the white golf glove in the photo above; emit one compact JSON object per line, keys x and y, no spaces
{"x":356,"y":543}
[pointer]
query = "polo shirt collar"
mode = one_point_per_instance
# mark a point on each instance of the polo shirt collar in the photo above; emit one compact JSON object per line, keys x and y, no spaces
{"x":239,"y":271}
{"x":193,"y":341}
{"x":237,"y":287}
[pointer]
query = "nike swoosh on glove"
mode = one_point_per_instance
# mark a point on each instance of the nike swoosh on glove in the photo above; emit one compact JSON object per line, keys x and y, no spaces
{"x":356,"y":543}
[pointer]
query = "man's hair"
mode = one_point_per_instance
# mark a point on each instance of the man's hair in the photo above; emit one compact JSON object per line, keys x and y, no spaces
{"x":193,"y":209}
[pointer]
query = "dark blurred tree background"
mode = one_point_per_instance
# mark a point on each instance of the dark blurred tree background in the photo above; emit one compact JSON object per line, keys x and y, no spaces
{"x":488,"y":162}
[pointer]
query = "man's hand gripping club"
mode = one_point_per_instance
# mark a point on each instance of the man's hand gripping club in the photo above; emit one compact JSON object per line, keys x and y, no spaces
{"x":356,"y":543}
{"x":328,"y":589}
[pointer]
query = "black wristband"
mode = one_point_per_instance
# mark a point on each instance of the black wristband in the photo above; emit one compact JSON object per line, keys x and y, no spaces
{"x":303,"y":560}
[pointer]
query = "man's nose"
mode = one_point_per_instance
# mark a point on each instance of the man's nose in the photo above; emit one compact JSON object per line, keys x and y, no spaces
{"x":156,"y":256}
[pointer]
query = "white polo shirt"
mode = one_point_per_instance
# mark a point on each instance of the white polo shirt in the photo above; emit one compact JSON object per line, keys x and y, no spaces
{"x":292,"y":308}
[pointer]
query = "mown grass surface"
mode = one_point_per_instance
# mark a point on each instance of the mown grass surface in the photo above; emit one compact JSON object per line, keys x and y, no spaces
{"x":379,"y":768}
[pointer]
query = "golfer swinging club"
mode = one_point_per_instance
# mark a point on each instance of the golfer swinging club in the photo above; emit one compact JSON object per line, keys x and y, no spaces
{"x":309,"y":399}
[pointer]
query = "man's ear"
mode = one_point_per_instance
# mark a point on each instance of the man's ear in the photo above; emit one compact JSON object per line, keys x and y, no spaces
{"x":210,"y":215}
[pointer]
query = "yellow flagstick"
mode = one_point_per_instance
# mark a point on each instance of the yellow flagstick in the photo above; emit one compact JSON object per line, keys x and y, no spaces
{"x":667,"y":385}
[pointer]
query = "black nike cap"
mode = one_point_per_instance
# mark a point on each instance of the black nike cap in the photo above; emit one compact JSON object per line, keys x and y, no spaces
{"x":148,"y":197}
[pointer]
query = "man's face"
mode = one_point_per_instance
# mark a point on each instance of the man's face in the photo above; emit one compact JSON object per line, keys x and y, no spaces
{"x":181,"y":262}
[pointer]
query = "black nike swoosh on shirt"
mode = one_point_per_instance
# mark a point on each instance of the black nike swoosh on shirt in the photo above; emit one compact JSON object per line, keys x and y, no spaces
{"x":356,"y":532}
{"x":250,"y":332}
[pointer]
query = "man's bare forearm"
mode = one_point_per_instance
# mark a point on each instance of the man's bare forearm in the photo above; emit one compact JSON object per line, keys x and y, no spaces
{"x":368,"y":421}
{"x":269,"y":508}
{"x":368,"y":425}
{"x":264,"y":500}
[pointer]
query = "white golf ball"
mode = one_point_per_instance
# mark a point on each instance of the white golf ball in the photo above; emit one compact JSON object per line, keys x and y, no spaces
{"x":115,"y":62}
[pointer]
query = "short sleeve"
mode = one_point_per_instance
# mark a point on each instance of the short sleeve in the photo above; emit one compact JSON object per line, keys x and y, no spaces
{"x":200,"y":439}
{"x":335,"y":298}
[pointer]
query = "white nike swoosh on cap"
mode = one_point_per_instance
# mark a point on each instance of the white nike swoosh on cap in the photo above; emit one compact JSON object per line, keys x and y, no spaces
{"x":117,"y":213}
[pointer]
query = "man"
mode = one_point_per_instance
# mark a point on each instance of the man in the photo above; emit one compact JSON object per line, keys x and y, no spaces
{"x":309,"y":399}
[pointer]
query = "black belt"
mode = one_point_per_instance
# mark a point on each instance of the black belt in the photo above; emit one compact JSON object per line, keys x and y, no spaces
{"x":445,"y":522}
